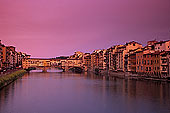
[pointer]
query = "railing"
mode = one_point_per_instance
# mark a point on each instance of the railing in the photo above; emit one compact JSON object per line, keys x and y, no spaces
{"x":162,"y":58}
{"x":164,"y":64}
{"x":164,"y":71}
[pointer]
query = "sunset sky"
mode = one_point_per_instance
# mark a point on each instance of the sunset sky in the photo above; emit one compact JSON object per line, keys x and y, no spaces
{"x":49,"y":28}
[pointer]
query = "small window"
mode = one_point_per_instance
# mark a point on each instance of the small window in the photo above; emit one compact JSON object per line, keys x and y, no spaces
{"x":146,"y":68}
{"x":149,"y":68}
{"x":133,"y":44}
{"x":141,"y":67}
{"x":138,"y":67}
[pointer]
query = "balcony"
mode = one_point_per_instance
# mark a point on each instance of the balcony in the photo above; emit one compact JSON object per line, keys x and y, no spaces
{"x":164,"y":64}
{"x":163,"y":58}
{"x":164,"y":71}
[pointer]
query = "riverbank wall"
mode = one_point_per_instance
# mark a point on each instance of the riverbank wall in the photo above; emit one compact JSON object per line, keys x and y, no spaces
{"x":7,"y":79}
{"x":126,"y":75}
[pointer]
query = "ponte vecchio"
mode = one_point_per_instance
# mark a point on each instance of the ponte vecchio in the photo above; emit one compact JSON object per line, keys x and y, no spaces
{"x":45,"y":63}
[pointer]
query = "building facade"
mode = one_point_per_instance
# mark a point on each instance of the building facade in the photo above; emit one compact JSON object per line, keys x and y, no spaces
{"x":165,"y":64}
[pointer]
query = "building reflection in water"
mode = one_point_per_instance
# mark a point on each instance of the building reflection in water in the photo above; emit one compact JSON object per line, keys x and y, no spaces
{"x":132,"y":90}
{"x":114,"y":94}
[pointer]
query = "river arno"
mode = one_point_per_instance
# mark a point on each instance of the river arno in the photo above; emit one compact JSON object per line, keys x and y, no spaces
{"x":82,"y":93}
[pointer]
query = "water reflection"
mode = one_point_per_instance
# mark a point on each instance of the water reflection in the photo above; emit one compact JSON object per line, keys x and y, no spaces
{"x":83,"y":93}
{"x":36,"y":71}
{"x":54,"y":70}
{"x":48,"y":70}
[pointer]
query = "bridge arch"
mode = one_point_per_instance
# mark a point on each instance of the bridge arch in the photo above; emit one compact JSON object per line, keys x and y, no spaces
{"x":65,"y":64}
{"x":76,"y":69}
{"x":45,"y":69}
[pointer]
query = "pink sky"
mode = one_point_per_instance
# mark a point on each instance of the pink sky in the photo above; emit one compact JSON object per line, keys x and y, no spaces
{"x":49,"y":28}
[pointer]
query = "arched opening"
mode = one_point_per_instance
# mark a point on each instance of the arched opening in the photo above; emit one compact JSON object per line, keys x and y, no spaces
{"x":76,"y":69}
{"x":45,"y":69}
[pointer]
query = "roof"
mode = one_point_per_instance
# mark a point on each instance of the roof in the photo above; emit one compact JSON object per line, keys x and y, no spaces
{"x":162,"y":42}
{"x":165,"y":52}
{"x":153,"y":41}
{"x":10,"y":46}
{"x":40,"y":58}
{"x":139,"y":50}
{"x":121,"y":46}
{"x":155,"y":52}
{"x":133,"y":42}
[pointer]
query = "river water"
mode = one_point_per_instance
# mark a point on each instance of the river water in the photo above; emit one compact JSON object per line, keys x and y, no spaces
{"x":38,"y":92}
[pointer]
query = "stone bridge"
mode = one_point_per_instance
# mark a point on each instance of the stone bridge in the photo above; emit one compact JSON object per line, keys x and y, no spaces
{"x":45,"y":64}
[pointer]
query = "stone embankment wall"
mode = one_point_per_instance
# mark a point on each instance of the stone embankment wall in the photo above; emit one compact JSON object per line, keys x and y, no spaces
{"x":126,"y":75}
{"x":7,"y":79}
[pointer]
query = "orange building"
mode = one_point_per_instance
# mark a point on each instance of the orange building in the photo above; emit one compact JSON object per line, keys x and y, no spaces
{"x":152,"y":64}
{"x":87,"y":61}
{"x":0,"y":55}
{"x":95,"y":59}
{"x":139,"y":62}
{"x":165,"y":64}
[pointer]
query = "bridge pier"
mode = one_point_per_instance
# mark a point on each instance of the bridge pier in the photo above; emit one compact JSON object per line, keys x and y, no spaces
{"x":44,"y":69}
{"x":66,"y":69}
{"x":76,"y":69}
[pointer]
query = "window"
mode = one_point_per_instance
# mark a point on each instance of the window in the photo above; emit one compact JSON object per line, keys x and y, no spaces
{"x":157,"y":68}
{"x":133,"y":44}
{"x":138,"y":67}
{"x":151,"y":62}
{"x":148,"y":62}
{"x":146,"y":68}
{"x":141,"y":67}
{"x":149,"y":68}
{"x":161,"y":44}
